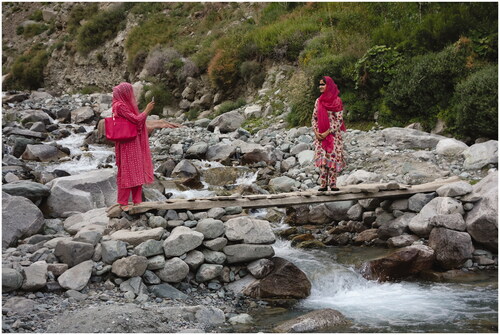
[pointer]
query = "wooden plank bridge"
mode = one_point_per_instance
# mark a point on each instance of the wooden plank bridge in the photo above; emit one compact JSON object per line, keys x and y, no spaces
{"x":351,"y":192}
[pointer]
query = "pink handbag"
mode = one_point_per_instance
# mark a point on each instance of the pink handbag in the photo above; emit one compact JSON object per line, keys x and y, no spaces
{"x":119,"y":129}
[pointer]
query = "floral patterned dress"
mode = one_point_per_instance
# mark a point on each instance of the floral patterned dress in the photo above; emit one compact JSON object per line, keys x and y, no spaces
{"x":334,"y":159}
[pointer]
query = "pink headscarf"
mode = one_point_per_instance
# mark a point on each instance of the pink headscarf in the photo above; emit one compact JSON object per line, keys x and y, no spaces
{"x":328,"y":101}
{"x":123,"y":96}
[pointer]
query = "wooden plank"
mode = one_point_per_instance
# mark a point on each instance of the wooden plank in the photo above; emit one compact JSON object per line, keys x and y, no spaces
{"x":285,"y":199}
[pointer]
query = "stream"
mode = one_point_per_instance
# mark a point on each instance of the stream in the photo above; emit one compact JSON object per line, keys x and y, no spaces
{"x":406,"y":306}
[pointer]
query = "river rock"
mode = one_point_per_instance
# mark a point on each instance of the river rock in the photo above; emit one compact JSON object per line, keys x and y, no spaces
{"x":214,"y":257}
{"x":223,"y":175}
{"x":78,"y":222}
{"x":418,"y":201}
{"x":401,"y":241}
{"x":210,"y":228}
{"x":285,"y":281}
{"x":35,"y":276}
{"x":197,"y":151}
{"x":181,"y":240}
{"x":185,"y":169}
{"x":482,"y":220}
{"x":208,"y":272}
{"x":11,"y":280}
{"x":450,"y":147}
{"x":73,"y":253}
{"x":305,"y":157}
{"x":167,"y":291}
{"x":395,"y":227}
{"x":137,"y":237}
{"x":113,"y":250}
{"x":220,"y":152}
{"x":361,"y":176}
{"x":34,"y":116}
{"x":481,"y":154}
{"x":81,"y":192}
{"x":194,"y":259}
{"x":175,"y":270}
{"x":323,"y":320}
{"x":227,"y":122}
{"x":156,"y":263}
{"x":405,"y":138}
{"x":20,"y":217}
{"x":238,"y":253}
{"x":451,"y":248}
{"x":420,"y":224}
{"x":355,"y":212}
{"x":82,"y":115}
{"x":282,"y":184}
{"x":249,"y":230}
{"x":241,"y":319}
{"x":149,"y":248}
{"x":365,"y":236}
{"x":77,"y":277}
{"x":453,"y":221}
{"x":19,"y":305}
{"x":454,"y":189}
{"x":338,"y":210}
{"x":132,"y":266}
{"x":261,"y":268}
{"x":28,"y":189}
{"x":42,"y":152}
{"x":400,"y":264}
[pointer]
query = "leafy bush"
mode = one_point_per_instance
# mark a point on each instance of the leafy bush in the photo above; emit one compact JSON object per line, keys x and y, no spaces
{"x":101,"y":27}
{"x":79,"y":13}
{"x":423,"y":85}
{"x":193,"y":113}
{"x":223,"y":70}
{"x":36,"y":16}
{"x":89,"y":89}
{"x":229,"y":105}
{"x":474,"y":108}
{"x":27,"y":70}
{"x":252,"y":73}
{"x":161,"y":93}
{"x":33,"y":30}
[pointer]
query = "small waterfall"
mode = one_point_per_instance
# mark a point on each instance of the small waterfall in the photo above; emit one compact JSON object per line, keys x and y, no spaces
{"x":388,"y":307}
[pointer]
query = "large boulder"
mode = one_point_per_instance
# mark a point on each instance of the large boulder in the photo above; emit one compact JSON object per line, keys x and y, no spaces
{"x":286,"y":281}
{"x":282,"y":184}
{"x":77,"y":277}
{"x":323,"y":320}
{"x":42,"y":152}
{"x":400,"y":264}
{"x":220,"y":152}
{"x":175,"y":270}
{"x":452,"y":248}
{"x":482,"y":220}
{"x":361,"y":176}
{"x":421,"y":225}
{"x":137,"y":237}
{"x":450,"y":147}
{"x":73,"y":253}
{"x":132,"y":266}
{"x":454,"y":189}
{"x":11,"y":280}
{"x":92,"y":218}
{"x":181,"y":240}
{"x":406,"y":138}
{"x":20,"y":218}
{"x":82,"y":114}
{"x":28,"y":189}
{"x":239,"y":253}
{"x":224,"y":175}
{"x":481,"y":154}
{"x":227,"y":122}
{"x":249,"y":230}
{"x":82,"y":192}
{"x":197,"y":151}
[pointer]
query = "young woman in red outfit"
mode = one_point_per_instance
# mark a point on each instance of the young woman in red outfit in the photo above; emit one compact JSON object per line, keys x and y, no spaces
{"x":133,"y":158}
{"x":328,"y":125}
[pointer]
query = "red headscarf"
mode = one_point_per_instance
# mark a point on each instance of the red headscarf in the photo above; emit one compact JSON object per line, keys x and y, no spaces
{"x":328,"y":101}
{"x":123,"y":96}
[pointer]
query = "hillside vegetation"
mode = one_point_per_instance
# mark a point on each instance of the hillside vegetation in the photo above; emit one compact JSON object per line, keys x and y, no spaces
{"x":396,"y":63}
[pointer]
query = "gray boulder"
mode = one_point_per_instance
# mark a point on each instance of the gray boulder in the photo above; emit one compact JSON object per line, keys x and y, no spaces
{"x":149,"y":248}
{"x":452,"y":248}
{"x":401,"y":241}
{"x":395,"y":227}
{"x":420,"y":224}
{"x":185,"y":169}
{"x":208,"y":272}
{"x":181,"y":240}
{"x":282,"y":184}
{"x":220,"y":152}
{"x":238,"y":253}
{"x":175,"y":271}
{"x":20,"y":218}
{"x":454,"y":189}
{"x":73,"y":253}
{"x":361,"y":176}
{"x":11,"y":280}
{"x":249,"y":230}
{"x":482,"y":220}
{"x":156,"y":263}
{"x":167,"y":291}
{"x":91,"y":218}
{"x":194,"y":259}
{"x":481,"y":154}
{"x":216,"y":244}
{"x":323,"y":320}
{"x":405,"y":138}
{"x":28,"y":189}
{"x":450,"y":147}
{"x":42,"y":153}
{"x":113,"y":250}
{"x":453,"y":221}
{"x":210,"y":228}
{"x":82,"y":192}
{"x":137,"y":237}
{"x":197,"y":151}
{"x":82,"y":115}
{"x":77,"y":277}
{"x":261,"y":268}
{"x":338,"y":210}
{"x":35,"y":276}
{"x":418,"y":201}
{"x":132,"y":266}
{"x":214,"y":257}
{"x":227,"y":122}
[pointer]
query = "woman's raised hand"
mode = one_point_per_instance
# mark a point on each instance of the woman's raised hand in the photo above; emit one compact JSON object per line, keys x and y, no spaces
{"x":149,"y":107}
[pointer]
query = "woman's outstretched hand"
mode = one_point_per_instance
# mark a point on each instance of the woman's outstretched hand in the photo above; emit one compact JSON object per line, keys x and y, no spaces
{"x":173,"y":125}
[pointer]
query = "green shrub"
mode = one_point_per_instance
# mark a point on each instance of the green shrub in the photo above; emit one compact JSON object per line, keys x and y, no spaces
{"x":100,"y":28}
{"x":193,"y":113}
{"x":36,"y":16}
{"x":423,"y":85}
{"x":161,"y":93}
{"x":223,"y":69}
{"x":27,"y":70}
{"x":89,"y":89}
{"x":229,"y":105}
{"x":34,"y":29}
{"x":474,"y":107}
{"x":79,"y":13}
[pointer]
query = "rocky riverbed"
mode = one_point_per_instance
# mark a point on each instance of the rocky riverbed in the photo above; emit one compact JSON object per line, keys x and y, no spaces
{"x":66,"y":258}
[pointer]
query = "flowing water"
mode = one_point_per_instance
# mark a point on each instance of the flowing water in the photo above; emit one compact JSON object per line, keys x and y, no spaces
{"x":405,"y":306}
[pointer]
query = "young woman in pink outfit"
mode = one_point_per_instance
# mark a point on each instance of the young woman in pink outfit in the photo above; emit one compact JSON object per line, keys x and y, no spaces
{"x":133,"y":158}
{"x":328,"y":125}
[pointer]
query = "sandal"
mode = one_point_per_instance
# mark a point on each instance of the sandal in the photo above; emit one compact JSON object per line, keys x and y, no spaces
{"x":334,"y":188}
{"x":125,"y":208}
{"x":322,"y":189}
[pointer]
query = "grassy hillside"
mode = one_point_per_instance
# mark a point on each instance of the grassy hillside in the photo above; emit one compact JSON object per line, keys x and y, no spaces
{"x":400,"y":62}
